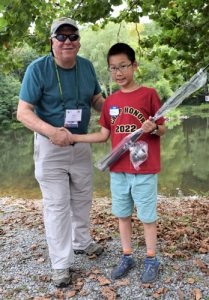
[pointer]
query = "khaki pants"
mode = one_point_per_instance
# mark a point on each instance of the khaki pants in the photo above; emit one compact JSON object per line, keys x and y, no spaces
{"x":65,"y":178}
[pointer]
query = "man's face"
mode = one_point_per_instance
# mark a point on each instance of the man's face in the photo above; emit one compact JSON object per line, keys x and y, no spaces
{"x":66,"y":50}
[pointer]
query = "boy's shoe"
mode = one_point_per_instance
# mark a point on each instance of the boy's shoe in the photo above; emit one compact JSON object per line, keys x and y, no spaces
{"x":61,"y":277}
{"x":125,"y":265}
{"x":151,"y":268}
{"x":92,"y":249}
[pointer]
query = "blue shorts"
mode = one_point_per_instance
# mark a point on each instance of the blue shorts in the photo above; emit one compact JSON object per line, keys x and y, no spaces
{"x":129,"y":190}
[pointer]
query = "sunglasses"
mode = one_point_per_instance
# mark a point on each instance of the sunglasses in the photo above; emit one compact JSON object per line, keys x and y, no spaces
{"x":63,"y":37}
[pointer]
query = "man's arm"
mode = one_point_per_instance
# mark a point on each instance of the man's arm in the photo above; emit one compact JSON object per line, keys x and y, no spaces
{"x":97,"y":102}
{"x":26,"y":115}
{"x":96,"y":137}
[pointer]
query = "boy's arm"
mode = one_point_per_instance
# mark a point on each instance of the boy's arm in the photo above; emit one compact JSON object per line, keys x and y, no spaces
{"x":96,"y":137}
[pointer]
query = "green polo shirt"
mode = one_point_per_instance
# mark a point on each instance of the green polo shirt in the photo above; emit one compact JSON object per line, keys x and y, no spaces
{"x":40,"y":87}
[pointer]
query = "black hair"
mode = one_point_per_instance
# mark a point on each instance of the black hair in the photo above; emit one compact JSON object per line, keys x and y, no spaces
{"x":121,"y":48}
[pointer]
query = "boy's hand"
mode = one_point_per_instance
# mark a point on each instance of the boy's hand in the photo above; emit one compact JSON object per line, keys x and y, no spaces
{"x":149,"y":126}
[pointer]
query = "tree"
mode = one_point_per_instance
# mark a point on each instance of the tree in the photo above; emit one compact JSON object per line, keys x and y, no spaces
{"x":96,"y":49}
{"x":29,"y":21}
{"x":9,"y":90}
{"x":184,"y":27}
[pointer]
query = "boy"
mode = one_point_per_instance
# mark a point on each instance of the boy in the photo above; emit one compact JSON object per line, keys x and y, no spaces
{"x":124,"y":112}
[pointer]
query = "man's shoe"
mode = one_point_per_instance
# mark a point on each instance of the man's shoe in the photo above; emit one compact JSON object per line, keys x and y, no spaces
{"x":125,"y":265}
{"x":151,"y":268}
{"x":61,"y":277}
{"x":92,"y":249}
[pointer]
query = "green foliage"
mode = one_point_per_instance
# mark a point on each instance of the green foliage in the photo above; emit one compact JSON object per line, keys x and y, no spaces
{"x":9,"y":90}
{"x":24,"y":56}
{"x":148,"y":74}
{"x":95,"y":45}
{"x":184,"y":28}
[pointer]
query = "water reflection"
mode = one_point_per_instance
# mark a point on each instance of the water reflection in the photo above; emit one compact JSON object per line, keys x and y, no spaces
{"x":185,"y":162}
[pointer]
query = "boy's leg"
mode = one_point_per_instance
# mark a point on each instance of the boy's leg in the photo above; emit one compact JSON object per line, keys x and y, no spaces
{"x":151,"y":264}
{"x":150,"y":235}
{"x":127,"y":262}
{"x":122,"y":207}
{"x":144,"y":193}
{"x":125,"y":229}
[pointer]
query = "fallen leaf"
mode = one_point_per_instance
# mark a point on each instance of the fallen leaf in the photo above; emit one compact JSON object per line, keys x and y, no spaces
{"x":108,"y":293}
{"x":92,"y":276}
{"x":167,"y":280}
{"x":180,"y":294}
{"x":190,"y":280}
{"x":71,"y":293}
{"x":147,"y":285}
{"x":122,"y":282}
{"x":103,"y":281}
{"x":156,"y":295}
{"x":40,"y":260}
{"x":84,"y":293}
{"x":198,"y":294}
{"x":199,"y":263}
{"x":96,"y":271}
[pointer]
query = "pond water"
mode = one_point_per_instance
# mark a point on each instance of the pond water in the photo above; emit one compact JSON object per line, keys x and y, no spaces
{"x":184,"y":156}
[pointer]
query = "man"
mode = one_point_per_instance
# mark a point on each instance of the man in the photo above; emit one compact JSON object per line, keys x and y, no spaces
{"x":57,"y":92}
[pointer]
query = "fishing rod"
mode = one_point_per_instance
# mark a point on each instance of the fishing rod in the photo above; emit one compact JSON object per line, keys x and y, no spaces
{"x":195,"y":83}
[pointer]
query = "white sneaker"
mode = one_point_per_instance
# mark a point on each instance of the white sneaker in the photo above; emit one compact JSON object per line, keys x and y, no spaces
{"x":61,"y":277}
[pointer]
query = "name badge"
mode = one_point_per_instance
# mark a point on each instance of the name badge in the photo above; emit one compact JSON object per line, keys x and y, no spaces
{"x":72,"y":117}
{"x":114,"y":111}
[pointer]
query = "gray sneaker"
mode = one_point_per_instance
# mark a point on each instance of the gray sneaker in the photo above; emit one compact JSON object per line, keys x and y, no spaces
{"x":92,"y":249}
{"x":61,"y":277}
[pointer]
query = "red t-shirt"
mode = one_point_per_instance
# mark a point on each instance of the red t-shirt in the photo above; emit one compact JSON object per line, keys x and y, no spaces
{"x":122,"y":114}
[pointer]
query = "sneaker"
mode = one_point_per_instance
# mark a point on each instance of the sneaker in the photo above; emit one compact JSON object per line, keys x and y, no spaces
{"x":61,"y":277}
{"x":151,"y":268}
{"x":125,"y":265}
{"x":92,"y":249}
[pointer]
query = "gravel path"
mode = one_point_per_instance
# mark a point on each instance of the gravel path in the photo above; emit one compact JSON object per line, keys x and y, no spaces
{"x":25,"y":267}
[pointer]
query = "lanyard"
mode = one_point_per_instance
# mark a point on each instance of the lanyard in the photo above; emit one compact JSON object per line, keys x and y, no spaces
{"x":60,"y":85}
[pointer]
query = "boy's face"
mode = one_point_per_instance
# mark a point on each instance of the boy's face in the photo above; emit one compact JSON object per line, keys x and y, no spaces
{"x":122,"y":70}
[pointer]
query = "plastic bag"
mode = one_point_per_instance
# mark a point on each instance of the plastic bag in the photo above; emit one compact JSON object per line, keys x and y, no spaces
{"x":138,"y":153}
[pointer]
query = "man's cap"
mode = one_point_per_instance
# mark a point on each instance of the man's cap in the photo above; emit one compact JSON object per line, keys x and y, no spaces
{"x":62,"y":21}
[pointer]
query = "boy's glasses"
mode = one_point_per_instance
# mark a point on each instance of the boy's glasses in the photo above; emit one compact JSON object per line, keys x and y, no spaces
{"x":122,"y":68}
{"x":63,"y":37}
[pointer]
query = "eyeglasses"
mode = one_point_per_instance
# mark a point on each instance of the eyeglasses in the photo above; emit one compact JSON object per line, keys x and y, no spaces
{"x":122,"y":68}
{"x":63,"y":37}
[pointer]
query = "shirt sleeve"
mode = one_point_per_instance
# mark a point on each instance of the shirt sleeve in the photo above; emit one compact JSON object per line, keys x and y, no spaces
{"x":31,"y":89}
{"x":105,"y":120}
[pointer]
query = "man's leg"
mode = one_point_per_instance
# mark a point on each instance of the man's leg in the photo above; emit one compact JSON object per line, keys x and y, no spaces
{"x":81,"y":200}
{"x":50,"y":171}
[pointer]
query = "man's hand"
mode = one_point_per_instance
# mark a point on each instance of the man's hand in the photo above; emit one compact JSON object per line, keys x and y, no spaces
{"x":61,"y":137}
